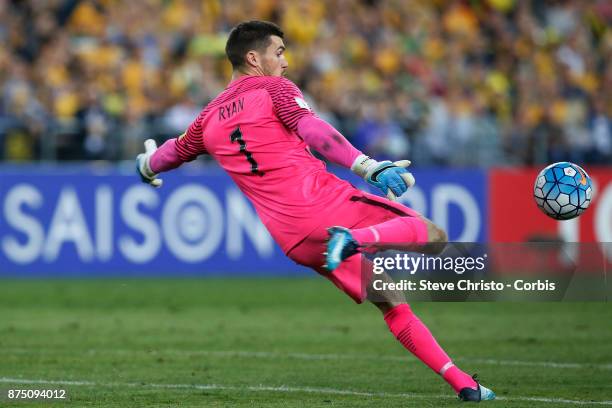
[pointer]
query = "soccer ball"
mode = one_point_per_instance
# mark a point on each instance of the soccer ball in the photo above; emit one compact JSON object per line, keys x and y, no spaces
{"x":563,"y":190}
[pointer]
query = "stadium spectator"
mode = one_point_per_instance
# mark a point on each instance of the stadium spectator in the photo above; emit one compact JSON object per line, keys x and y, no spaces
{"x":521,"y":81}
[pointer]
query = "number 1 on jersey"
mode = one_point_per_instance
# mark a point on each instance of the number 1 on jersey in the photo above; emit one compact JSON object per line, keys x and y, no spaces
{"x":236,"y":136}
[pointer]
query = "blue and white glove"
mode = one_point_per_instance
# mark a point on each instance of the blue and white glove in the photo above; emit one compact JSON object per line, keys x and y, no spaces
{"x":391,"y":178}
{"x":142,"y":164}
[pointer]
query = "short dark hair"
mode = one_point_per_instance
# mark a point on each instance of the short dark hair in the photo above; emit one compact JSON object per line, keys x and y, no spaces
{"x":249,"y":35}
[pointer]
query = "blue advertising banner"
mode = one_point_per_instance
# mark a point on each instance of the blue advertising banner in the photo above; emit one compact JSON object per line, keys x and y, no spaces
{"x":454,"y":199}
{"x":87,"y":221}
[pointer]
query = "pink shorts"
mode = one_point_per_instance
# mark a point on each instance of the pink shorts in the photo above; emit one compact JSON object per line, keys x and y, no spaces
{"x":363,"y":210}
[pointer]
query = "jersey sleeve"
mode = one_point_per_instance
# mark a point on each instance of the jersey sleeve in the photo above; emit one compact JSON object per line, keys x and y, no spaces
{"x":191,"y":143}
{"x":288,"y":101}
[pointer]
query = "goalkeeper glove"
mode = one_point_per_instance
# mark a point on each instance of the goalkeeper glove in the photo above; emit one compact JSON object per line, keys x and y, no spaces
{"x":142,"y":164}
{"x":391,"y":178}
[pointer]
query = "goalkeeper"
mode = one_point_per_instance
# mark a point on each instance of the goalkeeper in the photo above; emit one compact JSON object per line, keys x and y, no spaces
{"x":260,"y":131}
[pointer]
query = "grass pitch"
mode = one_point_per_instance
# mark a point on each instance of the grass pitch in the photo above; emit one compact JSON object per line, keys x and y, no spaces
{"x":284,"y":343}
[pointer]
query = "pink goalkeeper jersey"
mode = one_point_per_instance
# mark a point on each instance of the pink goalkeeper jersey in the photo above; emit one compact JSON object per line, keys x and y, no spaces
{"x":250,"y":129}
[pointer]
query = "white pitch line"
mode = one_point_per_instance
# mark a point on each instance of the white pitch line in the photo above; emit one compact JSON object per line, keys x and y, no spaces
{"x":285,"y":389}
{"x":261,"y":387}
{"x":310,"y":356}
{"x":547,"y":364}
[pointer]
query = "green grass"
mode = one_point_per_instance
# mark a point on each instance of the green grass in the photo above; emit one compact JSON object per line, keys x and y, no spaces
{"x":146,"y":342}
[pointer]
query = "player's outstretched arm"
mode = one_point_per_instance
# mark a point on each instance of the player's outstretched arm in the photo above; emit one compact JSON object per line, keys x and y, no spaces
{"x":391,"y":178}
{"x":143,"y":164}
{"x":168,"y":156}
{"x":171,"y":154}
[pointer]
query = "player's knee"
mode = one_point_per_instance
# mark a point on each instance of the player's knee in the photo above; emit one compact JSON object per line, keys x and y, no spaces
{"x":384,"y":299}
{"x":436,"y":234}
{"x":386,"y":306}
{"x":440,"y":236}
{"x":436,"y":239}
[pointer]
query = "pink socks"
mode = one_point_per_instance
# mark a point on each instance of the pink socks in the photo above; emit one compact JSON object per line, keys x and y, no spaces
{"x":417,"y":338}
{"x":400,"y":230}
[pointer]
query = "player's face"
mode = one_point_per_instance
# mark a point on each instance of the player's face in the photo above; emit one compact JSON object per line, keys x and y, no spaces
{"x":273,"y":62}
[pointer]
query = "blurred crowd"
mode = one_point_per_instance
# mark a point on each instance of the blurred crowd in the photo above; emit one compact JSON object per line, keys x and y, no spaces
{"x":457,"y":82}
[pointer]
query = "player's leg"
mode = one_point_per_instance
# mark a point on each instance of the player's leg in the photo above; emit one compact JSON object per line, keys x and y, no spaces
{"x":412,"y":232}
{"x":412,"y":333}
{"x":407,"y":231}
{"x":390,"y":225}
{"x":353,"y":277}
{"x":393,"y":225}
